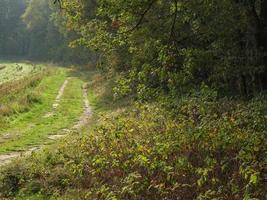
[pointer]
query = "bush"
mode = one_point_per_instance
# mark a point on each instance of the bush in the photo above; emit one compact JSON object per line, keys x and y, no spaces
{"x":196,"y":147}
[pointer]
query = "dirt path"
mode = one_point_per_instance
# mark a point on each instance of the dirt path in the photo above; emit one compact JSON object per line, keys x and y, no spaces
{"x":60,"y":94}
{"x":82,"y":120}
{"x":58,"y":98}
{"x":86,"y":109}
{"x":7,"y":158}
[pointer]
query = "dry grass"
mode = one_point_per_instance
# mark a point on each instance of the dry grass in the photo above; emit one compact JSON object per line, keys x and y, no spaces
{"x":2,"y":67}
{"x":12,"y":87}
{"x":5,"y":110}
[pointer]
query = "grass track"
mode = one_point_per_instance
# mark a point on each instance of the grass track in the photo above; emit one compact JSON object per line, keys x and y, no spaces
{"x":31,"y":128}
{"x":47,"y":90}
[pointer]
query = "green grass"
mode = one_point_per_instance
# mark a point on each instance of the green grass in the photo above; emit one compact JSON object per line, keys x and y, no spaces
{"x":32,"y":128}
{"x":46,"y":90}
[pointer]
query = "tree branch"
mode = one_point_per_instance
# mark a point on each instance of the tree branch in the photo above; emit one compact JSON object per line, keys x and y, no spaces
{"x":58,"y":2}
{"x":142,"y":17}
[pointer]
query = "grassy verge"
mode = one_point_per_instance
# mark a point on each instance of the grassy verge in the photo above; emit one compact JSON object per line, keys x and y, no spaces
{"x":19,"y":96}
{"x":196,"y":147}
{"x":45,"y":92}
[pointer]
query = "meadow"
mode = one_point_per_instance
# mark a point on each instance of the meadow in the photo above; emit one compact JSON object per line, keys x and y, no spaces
{"x":14,"y":71}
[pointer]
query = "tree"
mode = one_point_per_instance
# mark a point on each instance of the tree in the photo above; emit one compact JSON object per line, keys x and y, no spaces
{"x":13,"y":39}
{"x":177,"y":44}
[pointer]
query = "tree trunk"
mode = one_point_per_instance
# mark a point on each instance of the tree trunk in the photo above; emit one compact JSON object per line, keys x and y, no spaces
{"x":258,"y":24}
{"x":263,"y":41}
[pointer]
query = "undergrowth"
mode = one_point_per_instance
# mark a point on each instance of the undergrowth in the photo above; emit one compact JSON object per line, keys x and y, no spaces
{"x":195,"y":147}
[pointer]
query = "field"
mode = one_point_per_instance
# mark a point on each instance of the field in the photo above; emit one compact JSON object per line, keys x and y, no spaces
{"x":14,"y":71}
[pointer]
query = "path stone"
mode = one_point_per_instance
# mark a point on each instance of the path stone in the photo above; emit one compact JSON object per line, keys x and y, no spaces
{"x":55,"y":137}
{"x":7,"y":158}
{"x":50,"y":114}
{"x":9,"y":137}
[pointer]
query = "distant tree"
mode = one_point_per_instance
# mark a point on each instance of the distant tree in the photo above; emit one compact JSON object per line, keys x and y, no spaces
{"x":13,"y":37}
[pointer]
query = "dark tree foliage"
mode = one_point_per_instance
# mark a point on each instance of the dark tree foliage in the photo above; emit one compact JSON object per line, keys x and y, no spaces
{"x":157,"y":46}
{"x":175,"y":45}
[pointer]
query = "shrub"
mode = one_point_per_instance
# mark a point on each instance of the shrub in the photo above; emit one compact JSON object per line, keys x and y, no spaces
{"x":193,"y":148}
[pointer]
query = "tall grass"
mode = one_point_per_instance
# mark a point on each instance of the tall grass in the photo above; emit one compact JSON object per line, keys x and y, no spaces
{"x":12,"y":87}
{"x":18,"y":96}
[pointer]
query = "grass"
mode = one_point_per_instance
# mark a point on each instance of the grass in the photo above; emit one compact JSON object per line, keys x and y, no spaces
{"x":16,"y":71}
{"x":46,"y":90}
{"x":31,"y":127}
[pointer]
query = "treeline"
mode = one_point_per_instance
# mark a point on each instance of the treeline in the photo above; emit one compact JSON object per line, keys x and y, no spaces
{"x":156,"y":46}
{"x":176,"y":45}
{"x":35,"y":30}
